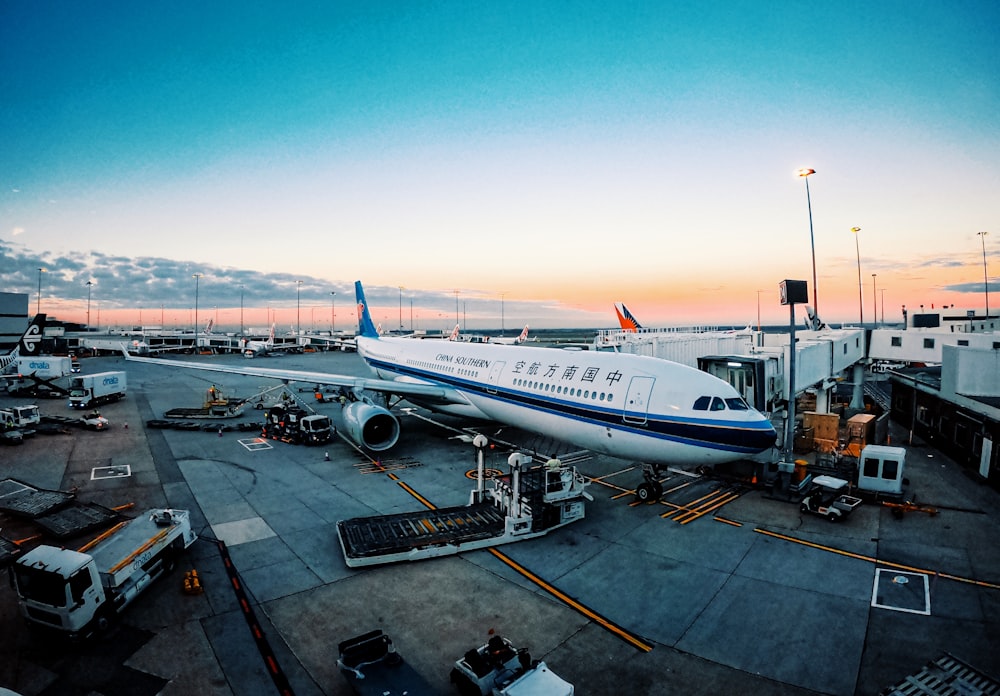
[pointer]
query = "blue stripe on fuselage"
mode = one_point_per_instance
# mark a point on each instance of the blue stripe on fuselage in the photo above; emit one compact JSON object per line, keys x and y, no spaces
{"x":742,"y":438}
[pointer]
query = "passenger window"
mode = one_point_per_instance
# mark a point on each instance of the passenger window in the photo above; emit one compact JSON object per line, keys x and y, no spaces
{"x":718,"y":404}
{"x":702,"y":403}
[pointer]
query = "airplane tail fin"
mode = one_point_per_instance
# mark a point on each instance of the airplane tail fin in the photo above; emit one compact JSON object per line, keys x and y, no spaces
{"x":524,"y":335}
{"x":454,"y":334}
{"x":366,"y":327}
{"x":209,"y":325}
{"x":270,"y":337}
{"x":625,"y":318}
{"x":29,"y":344}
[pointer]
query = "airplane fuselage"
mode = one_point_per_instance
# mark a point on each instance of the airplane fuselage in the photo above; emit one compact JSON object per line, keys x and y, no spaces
{"x":626,"y":406}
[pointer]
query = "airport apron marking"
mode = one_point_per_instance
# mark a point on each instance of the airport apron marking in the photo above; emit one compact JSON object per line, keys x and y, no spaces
{"x":877,"y":561}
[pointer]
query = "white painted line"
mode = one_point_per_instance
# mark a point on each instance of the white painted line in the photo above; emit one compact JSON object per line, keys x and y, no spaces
{"x":902,"y":591}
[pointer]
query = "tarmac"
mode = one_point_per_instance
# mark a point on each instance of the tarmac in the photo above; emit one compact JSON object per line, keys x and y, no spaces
{"x":716,"y":588}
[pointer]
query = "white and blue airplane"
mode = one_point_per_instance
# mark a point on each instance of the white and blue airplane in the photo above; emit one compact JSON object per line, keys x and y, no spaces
{"x":627,"y":406}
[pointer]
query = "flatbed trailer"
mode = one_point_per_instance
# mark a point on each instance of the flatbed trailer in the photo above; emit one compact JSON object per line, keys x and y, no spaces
{"x":521,"y":505}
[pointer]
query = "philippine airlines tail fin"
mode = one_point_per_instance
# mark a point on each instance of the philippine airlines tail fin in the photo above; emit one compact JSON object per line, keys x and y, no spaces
{"x":625,"y":318}
{"x":30,"y":343}
{"x":366,"y":327}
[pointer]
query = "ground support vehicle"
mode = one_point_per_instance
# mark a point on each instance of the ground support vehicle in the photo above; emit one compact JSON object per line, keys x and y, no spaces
{"x":372,"y":667}
{"x":826,"y":499}
{"x":216,"y":405}
{"x":521,"y":505}
{"x":498,"y":669}
{"x":86,"y":391}
{"x":20,"y":416}
{"x":290,"y":423}
{"x":77,"y":592}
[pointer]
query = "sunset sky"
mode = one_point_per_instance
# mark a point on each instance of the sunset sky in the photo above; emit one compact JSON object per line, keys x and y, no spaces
{"x":562,"y":155}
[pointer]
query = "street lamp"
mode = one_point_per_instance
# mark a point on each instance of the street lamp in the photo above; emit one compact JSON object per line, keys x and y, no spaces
{"x":401,"y":288}
{"x":456,"y":307}
{"x":874,"y":301}
{"x":805,"y":174}
{"x":197,"y":282}
{"x":882,"y":290}
{"x":298,"y":307}
{"x":241,"y":310}
{"x":333,"y":312}
{"x":986,"y":278}
{"x":90,"y":284}
{"x":38,"y":305}
{"x":857,"y":248}
{"x":501,"y":313}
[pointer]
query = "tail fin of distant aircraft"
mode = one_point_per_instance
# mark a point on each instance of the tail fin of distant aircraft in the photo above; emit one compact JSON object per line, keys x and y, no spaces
{"x":454,"y":334}
{"x":524,"y":335}
{"x":209,"y":325}
{"x":366,"y":327}
{"x":625,"y":318}
{"x":270,"y":337}
{"x":30,"y":343}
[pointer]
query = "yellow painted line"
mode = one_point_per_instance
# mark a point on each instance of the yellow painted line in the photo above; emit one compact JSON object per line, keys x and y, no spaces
{"x":711,"y":507}
{"x":732,"y":523}
{"x":877,"y":561}
{"x":686,"y":507}
{"x":609,"y":625}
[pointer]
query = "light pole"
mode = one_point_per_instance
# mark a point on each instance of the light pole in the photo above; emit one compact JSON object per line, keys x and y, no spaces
{"x":857,"y":248}
{"x":197,"y":282}
{"x":456,"y":307}
{"x":805,"y":173}
{"x":501,"y":313}
{"x":758,"y":310}
{"x":986,"y":278}
{"x":883,"y":304}
{"x":90,"y":284}
{"x":401,"y":288}
{"x":874,"y":301}
{"x":298,"y":309}
{"x":241,"y":310}
{"x":38,"y":304}
{"x":333,"y":312}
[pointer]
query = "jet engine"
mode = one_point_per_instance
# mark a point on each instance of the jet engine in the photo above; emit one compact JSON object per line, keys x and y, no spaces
{"x":371,"y":426}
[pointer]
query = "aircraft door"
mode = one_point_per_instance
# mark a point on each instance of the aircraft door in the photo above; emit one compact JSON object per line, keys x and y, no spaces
{"x":495,"y":369}
{"x":637,"y":399}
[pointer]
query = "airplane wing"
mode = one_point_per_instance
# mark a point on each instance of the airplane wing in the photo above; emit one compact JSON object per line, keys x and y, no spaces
{"x":425,"y":392}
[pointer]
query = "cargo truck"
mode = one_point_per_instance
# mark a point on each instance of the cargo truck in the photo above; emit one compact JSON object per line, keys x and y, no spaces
{"x":86,"y":391}
{"x":45,"y":367}
{"x":79,"y":592}
{"x":20,"y":416}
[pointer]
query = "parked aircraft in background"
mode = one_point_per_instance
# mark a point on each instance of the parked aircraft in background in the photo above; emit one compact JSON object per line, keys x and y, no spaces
{"x":628,"y":406}
{"x":253,"y":349}
{"x":517,"y":340}
{"x":29,"y":345}
{"x":625,"y":318}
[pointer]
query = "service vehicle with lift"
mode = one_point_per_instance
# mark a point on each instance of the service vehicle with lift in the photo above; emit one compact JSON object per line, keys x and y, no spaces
{"x":79,"y":592}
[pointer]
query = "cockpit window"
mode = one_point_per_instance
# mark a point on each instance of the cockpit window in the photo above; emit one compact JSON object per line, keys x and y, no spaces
{"x":737,"y":404}
{"x":702,"y":403}
{"x":718,"y":404}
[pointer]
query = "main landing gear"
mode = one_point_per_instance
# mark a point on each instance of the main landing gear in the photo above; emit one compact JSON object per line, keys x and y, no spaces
{"x":650,"y":489}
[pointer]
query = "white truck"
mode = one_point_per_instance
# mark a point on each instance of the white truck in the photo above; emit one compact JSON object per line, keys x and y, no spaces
{"x":90,"y":390}
{"x":78,"y":592}
{"x":45,"y":366}
{"x":498,"y":669}
{"x":20,"y":416}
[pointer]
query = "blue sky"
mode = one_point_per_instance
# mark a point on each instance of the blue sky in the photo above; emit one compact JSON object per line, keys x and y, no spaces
{"x":565,"y":155}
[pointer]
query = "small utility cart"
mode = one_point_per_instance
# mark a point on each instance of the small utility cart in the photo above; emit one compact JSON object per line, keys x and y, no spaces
{"x":827,"y":499}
